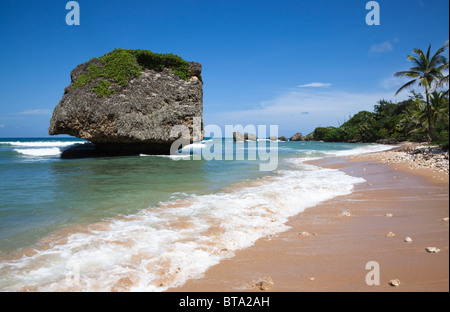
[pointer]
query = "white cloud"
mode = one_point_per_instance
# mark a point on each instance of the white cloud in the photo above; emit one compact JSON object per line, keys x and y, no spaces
{"x":316,"y":85}
{"x":382,"y":47}
{"x":36,"y":112}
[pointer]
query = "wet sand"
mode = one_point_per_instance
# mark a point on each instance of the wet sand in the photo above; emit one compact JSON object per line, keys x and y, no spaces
{"x":334,"y":255}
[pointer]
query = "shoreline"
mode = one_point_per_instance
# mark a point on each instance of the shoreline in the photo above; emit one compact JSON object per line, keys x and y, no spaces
{"x":328,"y":246}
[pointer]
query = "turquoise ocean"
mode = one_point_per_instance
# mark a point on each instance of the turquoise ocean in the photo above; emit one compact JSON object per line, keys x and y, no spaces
{"x":148,"y":223}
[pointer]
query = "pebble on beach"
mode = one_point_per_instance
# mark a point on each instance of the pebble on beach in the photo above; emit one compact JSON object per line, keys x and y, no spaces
{"x":389,"y":215}
{"x":432,"y":250}
{"x":346,"y":214}
{"x":390,"y":234}
{"x":445,"y":219}
{"x":419,"y":157}
{"x":394,"y":283}
{"x":263,"y":284}
{"x":408,"y":240}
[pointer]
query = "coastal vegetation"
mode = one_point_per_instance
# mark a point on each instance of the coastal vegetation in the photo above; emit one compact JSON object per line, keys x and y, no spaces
{"x":423,"y":117}
{"x":119,"y":66}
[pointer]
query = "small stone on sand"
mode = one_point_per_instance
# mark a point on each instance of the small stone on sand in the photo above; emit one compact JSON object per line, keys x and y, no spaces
{"x":264,"y":283}
{"x":390,"y":234}
{"x":346,"y":214}
{"x":432,"y":250}
{"x":312,"y":279}
{"x":389,"y":215}
{"x":445,"y":219}
{"x":304,"y":234}
{"x":408,"y":240}
{"x":394,"y":283}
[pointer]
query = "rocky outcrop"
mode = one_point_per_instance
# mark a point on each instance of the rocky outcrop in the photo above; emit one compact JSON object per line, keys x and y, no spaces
{"x":242,"y":137}
{"x":297,"y":137}
{"x":309,"y":137}
{"x":133,"y":117}
{"x":276,"y":138}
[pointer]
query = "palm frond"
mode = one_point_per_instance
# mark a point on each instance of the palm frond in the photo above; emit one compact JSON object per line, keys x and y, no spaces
{"x":418,"y":62}
{"x":408,"y":73}
{"x":406,"y":85}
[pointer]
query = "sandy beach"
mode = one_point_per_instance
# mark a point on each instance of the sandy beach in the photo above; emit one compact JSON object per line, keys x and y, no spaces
{"x":328,"y":246}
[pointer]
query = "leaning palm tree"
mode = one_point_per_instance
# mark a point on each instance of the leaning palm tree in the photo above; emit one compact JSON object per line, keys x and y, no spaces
{"x":426,"y":72}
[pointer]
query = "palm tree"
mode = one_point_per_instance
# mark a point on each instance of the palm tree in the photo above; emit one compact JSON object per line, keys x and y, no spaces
{"x":426,"y":72}
{"x":444,"y":81}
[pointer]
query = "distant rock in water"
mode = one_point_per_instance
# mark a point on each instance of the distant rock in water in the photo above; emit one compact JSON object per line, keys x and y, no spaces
{"x":276,"y":138}
{"x":238,"y":137}
{"x":242,"y":137}
{"x":297,"y":137}
{"x":128,"y":101}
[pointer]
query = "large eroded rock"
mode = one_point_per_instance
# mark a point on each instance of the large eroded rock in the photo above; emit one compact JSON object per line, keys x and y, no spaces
{"x":137,"y":118}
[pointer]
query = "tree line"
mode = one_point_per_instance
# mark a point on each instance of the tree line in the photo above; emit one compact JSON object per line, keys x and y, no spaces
{"x":424,"y":117}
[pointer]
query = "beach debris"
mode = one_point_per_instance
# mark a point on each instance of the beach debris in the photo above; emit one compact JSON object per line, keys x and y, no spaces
{"x":304,"y":234}
{"x":394,"y":283}
{"x":432,"y":250}
{"x":445,"y":219}
{"x":263,"y":284}
{"x":408,"y":240}
{"x":389,"y":215}
{"x":390,"y":234}
{"x":312,"y":279}
{"x":430,"y":157}
{"x":346,"y":214}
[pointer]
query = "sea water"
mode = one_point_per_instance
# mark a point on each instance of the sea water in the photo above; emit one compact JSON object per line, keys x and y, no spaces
{"x":147,"y":223}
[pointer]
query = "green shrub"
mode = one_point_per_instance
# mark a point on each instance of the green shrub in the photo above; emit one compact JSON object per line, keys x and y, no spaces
{"x":321,"y":133}
{"x":120,"y":66}
{"x":102,"y":89}
{"x":334,"y":135}
{"x":81,"y":81}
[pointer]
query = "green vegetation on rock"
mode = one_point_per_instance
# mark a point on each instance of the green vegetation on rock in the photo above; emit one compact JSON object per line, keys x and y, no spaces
{"x":102,"y":89}
{"x":121,"y":65}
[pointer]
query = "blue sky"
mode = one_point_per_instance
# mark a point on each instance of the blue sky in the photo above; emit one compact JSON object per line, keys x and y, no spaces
{"x":298,"y":64}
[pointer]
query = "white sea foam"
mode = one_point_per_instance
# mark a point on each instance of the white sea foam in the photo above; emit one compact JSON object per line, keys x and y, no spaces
{"x":40,"y":148}
{"x":193,"y":148}
{"x":174,"y":157}
{"x":39,"y":151}
{"x":371,"y":148}
{"x":164,"y":246}
{"x":38,"y":144}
